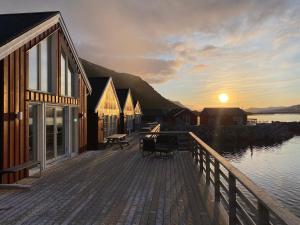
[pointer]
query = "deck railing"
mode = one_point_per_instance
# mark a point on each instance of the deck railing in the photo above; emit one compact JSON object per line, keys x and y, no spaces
{"x":244,"y":201}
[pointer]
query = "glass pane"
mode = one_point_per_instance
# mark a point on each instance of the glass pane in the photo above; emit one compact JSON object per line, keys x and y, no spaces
{"x":44,"y":65}
{"x":33,"y":68}
{"x":63,"y":75}
{"x":33,"y":132}
{"x":74,"y":136}
{"x":74,"y":85}
{"x":50,"y":133}
{"x":69,"y":82}
{"x":60,"y":131}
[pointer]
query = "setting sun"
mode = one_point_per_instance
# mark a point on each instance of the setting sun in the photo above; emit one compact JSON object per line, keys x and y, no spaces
{"x":223,"y":98}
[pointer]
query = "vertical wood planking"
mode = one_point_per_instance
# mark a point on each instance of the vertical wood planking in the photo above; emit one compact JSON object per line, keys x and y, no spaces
{"x":15,"y":98}
{"x":17,"y":109}
{"x":22,"y":107}
{"x":5,"y":119}
{"x":11,"y":113}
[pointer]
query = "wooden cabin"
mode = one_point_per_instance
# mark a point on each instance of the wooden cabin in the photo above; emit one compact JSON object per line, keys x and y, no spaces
{"x":137,"y":114}
{"x":103,"y":111}
{"x":127,"y":110}
{"x":180,"y":119}
{"x":223,"y":116}
{"x":43,"y":93}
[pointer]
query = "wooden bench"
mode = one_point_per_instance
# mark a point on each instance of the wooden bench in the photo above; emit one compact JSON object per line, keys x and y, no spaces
{"x":27,"y":165}
{"x":117,"y":139}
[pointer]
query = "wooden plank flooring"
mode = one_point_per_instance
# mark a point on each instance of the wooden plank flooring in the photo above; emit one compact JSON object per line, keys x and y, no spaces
{"x":110,"y":187}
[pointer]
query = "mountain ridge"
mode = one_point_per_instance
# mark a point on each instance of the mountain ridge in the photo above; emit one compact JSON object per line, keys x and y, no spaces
{"x":278,"y":109}
{"x":149,"y":98}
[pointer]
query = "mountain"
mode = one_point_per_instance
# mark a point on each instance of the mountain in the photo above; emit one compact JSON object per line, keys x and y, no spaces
{"x":178,"y":103}
{"x":150,"y":99}
{"x":280,"y":109}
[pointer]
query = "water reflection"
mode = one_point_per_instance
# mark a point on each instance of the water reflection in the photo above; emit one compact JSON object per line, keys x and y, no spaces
{"x":275,"y":168}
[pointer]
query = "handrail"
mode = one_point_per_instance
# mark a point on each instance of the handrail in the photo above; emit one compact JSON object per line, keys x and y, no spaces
{"x":266,"y":203}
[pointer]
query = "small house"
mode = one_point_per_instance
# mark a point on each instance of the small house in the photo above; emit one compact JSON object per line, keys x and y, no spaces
{"x":180,"y":119}
{"x":103,"y":111}
{"x":223,"y":116}
{"x":127,"y":110}
{"x":43,"y":93}
{"x":137,"y":115}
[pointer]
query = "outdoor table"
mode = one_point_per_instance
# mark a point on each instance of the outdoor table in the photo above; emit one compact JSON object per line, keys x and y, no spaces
{"x":119,"y":139}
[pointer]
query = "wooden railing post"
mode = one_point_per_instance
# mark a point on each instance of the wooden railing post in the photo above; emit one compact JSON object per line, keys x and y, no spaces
{"x":196,"y":153}
{"x":207,"y":164}
{"x":217,"y":181}
{"x":194,"y":149}
{"x":262,"y":215}
{"x":201,"y":158}
{"x":232,"y":200}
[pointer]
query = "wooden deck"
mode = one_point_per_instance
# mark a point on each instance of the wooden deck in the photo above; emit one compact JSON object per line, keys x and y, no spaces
{"x":110,"y":187}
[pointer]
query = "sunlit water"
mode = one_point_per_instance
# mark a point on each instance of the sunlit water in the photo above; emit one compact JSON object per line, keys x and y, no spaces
{"x":275,"y":117}
{"x":276,"y":169}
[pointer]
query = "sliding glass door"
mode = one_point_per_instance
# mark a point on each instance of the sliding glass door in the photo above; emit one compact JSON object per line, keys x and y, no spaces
{"x":74,"y":130}
{"x":55,"y":133}
{"x":60,"y":132}
{"x":33,"y":132}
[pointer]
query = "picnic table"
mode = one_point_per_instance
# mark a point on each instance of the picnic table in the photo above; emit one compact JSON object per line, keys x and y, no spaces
{"x":119,"y":139}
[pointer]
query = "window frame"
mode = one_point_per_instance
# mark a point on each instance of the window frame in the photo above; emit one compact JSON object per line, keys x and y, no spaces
{"x":50,"y":65}
{"x":74,"y":76}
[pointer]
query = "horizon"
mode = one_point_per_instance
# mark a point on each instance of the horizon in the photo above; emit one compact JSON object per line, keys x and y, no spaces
{"x":214,"y":48}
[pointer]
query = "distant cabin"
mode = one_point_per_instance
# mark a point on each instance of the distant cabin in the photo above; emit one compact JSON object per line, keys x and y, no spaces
{"x":103,"y":111}
{"x":127,"y":110}
{"x":137,"y":115}
{"x":223,"y":116}
{"x":43,"y":92}
{"x":180,"y":118}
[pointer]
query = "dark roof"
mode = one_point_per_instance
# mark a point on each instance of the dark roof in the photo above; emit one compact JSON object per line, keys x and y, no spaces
{"x":223,"y":111}
{"x":178,"y":111}
{"x":98,"y":85}
{"x":14,"y":25}
{"x":122,"y":96}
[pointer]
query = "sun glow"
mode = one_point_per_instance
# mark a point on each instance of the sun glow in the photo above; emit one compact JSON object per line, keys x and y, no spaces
{"x":223,"y":98}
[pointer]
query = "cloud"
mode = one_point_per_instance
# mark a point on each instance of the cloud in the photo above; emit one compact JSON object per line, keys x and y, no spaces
{"x":198,"y":68}
{"x":234,"y":44}
{"x":137,"y":29}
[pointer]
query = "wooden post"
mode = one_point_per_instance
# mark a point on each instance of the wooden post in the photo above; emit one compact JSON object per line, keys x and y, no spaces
{"x":232,"y":200}
{"x":217,"y":181}
{"x":207,"y":163}
{"x":201,"y":158}
{"x":262,"y":215}
{"x":197,"y":154}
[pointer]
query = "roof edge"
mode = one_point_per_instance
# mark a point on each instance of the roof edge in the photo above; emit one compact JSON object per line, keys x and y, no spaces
{"x":21,"y":40}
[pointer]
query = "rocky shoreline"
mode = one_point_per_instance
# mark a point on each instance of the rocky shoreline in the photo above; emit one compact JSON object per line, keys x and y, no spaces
{"x":264,"y":134}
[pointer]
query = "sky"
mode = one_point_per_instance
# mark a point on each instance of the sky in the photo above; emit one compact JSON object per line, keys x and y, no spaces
{"x":190,"y":50}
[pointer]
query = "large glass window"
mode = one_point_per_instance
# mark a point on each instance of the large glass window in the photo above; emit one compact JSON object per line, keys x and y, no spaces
{"x":68,"y":78}
{"x":33,"y":68}
{"x":40,"y":65}
{"x":63,"y":75}
{"x":69,"y":74}
{"x":45,"y":61}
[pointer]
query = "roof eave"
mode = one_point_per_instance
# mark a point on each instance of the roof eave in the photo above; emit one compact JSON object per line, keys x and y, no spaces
{"x":62,"y":23}
{"x":21,"y":40}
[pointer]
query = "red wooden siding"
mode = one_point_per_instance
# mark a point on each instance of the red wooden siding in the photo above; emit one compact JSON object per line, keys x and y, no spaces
{"x":14,"y":97}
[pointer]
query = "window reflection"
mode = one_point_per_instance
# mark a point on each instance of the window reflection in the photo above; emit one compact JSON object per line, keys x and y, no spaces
{"x":44,"y":65}
{"x":33,"y":68}
{"x":69,"y":82}
{"x":62,"y":75}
